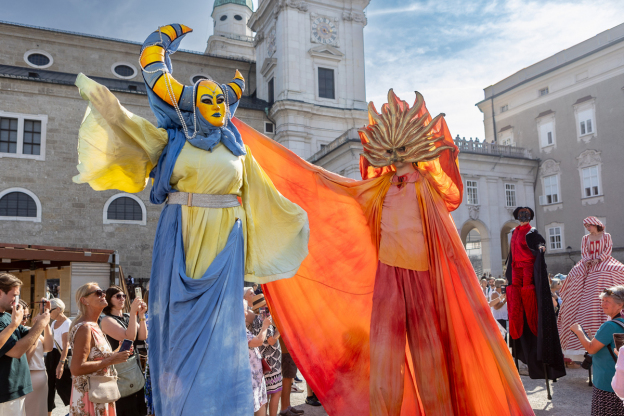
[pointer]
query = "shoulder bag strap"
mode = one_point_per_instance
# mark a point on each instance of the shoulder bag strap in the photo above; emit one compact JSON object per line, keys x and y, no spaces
{"x":621,"y":324}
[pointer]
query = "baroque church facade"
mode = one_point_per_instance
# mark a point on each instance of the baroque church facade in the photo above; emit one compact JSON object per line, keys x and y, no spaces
{"x":305,"y":89}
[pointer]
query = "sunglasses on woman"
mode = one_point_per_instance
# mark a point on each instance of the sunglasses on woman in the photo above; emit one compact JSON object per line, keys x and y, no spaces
{"x":120,"y":296}
{"x":99,"y":293}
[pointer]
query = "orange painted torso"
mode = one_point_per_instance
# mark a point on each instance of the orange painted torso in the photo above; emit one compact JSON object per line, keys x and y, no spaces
{"x":402,"y":240}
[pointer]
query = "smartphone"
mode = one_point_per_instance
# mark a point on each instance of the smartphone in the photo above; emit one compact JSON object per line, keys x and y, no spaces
{"x":137,"y":292}
{"x":42,"y":307}
{"x":125,"y":345}
{"x":17,"y":299}
{"x":618,"y":339}
{"x":504,"y":289}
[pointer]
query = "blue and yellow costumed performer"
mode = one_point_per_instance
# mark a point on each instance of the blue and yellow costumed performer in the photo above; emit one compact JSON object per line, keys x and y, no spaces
{"x":223,"y":222}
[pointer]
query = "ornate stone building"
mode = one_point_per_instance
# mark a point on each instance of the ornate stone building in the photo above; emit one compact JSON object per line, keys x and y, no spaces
{"x":497,"y":179}
{"x":567,"y":110}
{"x":306,"y":92}
{"x":304,"y":66}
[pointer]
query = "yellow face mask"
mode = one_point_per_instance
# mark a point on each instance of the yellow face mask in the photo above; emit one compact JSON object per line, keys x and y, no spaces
{"x":211,"y":102}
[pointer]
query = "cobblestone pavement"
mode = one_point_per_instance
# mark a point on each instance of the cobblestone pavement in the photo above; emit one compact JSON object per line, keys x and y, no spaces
{"x":571,"y":397}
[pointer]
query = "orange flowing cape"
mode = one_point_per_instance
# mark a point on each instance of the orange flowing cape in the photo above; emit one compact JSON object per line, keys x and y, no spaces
{"x":324,"y":312}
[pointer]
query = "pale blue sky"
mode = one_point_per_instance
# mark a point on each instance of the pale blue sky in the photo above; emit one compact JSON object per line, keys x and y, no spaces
{"x":449,"y":50}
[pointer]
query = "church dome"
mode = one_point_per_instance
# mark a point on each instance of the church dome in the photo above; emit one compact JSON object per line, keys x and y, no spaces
{"x":247,"y":3}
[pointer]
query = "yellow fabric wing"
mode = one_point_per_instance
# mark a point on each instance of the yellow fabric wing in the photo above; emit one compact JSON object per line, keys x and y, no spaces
{"x":116,"y":149}
{"x":277,"y":229}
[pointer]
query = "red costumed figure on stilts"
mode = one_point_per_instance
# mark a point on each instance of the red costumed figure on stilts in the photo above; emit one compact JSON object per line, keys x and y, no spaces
{"x":532,"y":321}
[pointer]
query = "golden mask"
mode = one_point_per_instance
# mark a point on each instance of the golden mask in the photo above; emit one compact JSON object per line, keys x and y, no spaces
{"x":398,"y":134}
{"x":211,"y":103}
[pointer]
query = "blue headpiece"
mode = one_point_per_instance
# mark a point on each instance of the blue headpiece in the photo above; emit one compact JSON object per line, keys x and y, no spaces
{"x":173,"y":104}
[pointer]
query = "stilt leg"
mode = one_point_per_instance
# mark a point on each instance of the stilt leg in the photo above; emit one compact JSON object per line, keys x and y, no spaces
{"x":547,"y":382}
{"x":515,"y":353}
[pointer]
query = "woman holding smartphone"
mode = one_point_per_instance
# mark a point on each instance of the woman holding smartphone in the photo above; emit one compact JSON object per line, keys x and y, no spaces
{"x":118,"y":326}
{"x":604,"y":400}
{"x":36,"y":402}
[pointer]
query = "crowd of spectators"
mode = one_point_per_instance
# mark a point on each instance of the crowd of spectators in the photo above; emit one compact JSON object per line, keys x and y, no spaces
{"x":56,"y":356}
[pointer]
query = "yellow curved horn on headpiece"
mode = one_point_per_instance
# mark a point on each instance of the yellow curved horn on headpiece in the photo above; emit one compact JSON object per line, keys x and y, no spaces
{"x":155,"y":50}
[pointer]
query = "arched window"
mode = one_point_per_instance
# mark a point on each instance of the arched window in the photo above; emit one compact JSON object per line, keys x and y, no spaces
{"x":473,"y":249}
{"x":124,"y":209}
{"x":17,"y":204}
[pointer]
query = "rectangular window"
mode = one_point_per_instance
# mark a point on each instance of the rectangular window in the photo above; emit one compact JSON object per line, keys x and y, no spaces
{"x":323,"y":147}
{"x":269,"y":127}
{"x":272,"y":91}
{"x":551,"y":189}
{"x":473,"y":192}
{"x":543,"y":91}
{"x":504,"y":108}
{"x":586,"y":121}
{"x":32,"y":137}
{"x":22,"y":136}
{"x":546,"y":134}
{"x":326,"y":83}
{"x":8,"y":135}
{"x":510,"y":194}
{"x":590,"y":181}
{"x":554,"y":238}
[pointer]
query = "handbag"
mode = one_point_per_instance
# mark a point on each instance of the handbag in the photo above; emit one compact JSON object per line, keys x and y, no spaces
{"x":103,"y":389}
{"x":266,"y":368}
{"x":130,"y":377}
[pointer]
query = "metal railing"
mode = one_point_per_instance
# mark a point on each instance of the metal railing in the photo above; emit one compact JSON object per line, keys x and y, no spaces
{"x":234,"y":37}
{"x":470,"y":146}
{"x":350,"y":135}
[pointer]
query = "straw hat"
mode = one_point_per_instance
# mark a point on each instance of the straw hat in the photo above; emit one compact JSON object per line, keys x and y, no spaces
{"x":257,"y":302}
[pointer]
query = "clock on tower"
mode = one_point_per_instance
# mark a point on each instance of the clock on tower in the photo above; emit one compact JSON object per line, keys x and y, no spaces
{"x":324,"y":31}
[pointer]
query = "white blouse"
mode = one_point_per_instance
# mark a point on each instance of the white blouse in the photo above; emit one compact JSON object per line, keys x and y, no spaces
{"x":58,"y":332}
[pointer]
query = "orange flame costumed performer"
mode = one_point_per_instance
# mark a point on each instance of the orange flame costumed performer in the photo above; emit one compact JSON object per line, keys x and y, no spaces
{"x":385,"y":315}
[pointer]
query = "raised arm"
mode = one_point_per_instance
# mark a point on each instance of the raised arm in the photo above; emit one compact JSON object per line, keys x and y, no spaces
{"x":17,"y":315}
{"x":258,"y":340}
{"x":116,"y":149}
{"x":15,"y":349}
{"x":142,"y":332}
{"x":82,"y":346}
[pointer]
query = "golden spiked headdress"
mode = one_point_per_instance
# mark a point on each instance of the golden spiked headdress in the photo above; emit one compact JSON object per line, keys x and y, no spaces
{"x":401,"y":133}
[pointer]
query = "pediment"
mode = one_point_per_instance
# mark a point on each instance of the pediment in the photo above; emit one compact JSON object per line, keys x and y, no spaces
{"x":326,"y":52}
{"x":267,"y":65}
